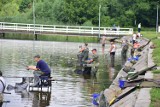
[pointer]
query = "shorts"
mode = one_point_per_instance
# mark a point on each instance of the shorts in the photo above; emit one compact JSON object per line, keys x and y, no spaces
{"x":134,"y":41}
{"x":103,"y":45}
{"x":112,"y":53}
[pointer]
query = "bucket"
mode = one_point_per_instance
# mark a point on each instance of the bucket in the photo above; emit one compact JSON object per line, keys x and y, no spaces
{"x":95,"y":99}
{"x":136,"y":58}
{"x":122,"y":81}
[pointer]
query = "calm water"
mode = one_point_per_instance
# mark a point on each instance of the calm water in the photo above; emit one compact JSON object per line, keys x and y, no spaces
{"x":61,"y":56}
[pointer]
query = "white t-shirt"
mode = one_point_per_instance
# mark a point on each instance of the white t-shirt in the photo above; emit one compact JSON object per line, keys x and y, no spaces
{"x":134,"y":36}
{"x":114,"y":48}
{"x":1,"y":84}
{"x":139,"y":25}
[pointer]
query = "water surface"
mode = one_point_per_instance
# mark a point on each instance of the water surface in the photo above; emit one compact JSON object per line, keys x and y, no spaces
{"x":15,"y":55}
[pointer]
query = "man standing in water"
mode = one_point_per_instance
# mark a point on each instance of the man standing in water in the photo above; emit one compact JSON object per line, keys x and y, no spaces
{"x":40,"y":69}
{"x":94,"y":62}
{"x":112,"y":53}
{"x":124,"y":51}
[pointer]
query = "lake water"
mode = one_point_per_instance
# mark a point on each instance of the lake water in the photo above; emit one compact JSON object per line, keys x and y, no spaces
{"x":15,"y":55}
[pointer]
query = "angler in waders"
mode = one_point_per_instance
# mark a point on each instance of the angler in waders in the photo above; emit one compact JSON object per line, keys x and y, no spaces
{"x":124,"y":51}
{"x":83,"y":54}
{"x":112,"y":53}
{"x":93,"y":62}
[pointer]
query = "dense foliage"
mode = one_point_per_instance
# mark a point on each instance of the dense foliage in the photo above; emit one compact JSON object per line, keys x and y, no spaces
{"x":81,"y":12}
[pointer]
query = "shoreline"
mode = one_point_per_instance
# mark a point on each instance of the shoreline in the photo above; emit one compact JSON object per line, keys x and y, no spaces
{"x":58,"y":38}
{"x":135,"y":98}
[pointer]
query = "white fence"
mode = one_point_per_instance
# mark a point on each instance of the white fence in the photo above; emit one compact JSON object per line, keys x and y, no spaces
{"x":59,"y":29}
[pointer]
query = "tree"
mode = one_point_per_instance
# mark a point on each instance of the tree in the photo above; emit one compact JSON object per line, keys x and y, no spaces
{"x":24,"y":5}
{"x":77,"y":11}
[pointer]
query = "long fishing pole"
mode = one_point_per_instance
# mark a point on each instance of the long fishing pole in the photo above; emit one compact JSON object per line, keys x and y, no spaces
{"x":17,"y":62}
{"x":64,"y":80}
{"x":6,"y":93}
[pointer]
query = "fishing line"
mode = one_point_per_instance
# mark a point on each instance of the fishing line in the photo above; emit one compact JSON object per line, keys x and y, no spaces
{"x":1,"y":55}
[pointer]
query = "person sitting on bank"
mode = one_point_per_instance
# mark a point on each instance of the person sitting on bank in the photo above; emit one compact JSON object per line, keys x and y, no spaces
{"x":136,"y":45}
{"x":134,"y":51}
{"x":134,"y":38}
{"x":41,"y":69}
{"x":112,"y":53}
{"x":94,"y":61}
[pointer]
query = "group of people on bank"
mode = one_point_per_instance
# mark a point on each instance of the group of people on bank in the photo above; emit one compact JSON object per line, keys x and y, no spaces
{"x":125,"y":46}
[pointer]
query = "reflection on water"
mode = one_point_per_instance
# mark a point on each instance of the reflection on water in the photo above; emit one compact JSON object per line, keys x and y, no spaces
{"x":61,"y":56}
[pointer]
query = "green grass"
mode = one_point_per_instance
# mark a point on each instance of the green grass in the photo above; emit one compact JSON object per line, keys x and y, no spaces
{"x":149,"y":34}
{"x":60,"y":38}
{"x":155,"y":92}
{"x":155,"y":97}
{"x":67,"y":38}
{"x":156,"y":71}
{"x":156,"y":53}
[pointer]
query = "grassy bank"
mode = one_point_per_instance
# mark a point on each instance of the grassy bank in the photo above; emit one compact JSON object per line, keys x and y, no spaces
{"x":51,"y":38}
{"x":155,"y":92}
{"x":156,"y":53}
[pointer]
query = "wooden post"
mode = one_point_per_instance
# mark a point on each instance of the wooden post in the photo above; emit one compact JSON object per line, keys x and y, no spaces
{"x":67,"y":38}
{"x":36,"y":37}
{"x":3,"y":35}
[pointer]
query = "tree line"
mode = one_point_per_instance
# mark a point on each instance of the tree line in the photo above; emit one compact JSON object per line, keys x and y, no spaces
{"x":124,"y":13}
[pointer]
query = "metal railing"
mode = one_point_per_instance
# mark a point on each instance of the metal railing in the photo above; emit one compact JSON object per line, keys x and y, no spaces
{"x":60,"y":29}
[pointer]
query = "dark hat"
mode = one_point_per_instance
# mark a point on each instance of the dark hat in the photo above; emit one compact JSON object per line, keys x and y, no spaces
{"x":86,"y":44}
{"x":113,"y":39}
{"x":37,"y":56}
{"x":94,"y":49}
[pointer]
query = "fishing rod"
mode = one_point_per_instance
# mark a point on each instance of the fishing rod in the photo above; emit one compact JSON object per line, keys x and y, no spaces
{"x":64,"y":80}
{"x":6,"y":93}
{"x":16,"y":62}
{"x":74,"y":81}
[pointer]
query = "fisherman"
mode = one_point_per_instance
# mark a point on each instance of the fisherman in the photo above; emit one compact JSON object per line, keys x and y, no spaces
{"x":136,"y":45}
{"x":83,"y":53}
{"x":134,"y":37}
{"x":103,"y":41}
{"x":94,"y":62}
{"x":2,"y":86}
{"x":124,"y":51}
{"x":41,"y":69}
{"x":112,"y":53}
{"x":79,"y":55}
{"x":139,"y":27}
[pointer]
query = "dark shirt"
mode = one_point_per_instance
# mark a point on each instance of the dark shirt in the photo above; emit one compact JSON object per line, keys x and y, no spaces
{"x":43,"y":66}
